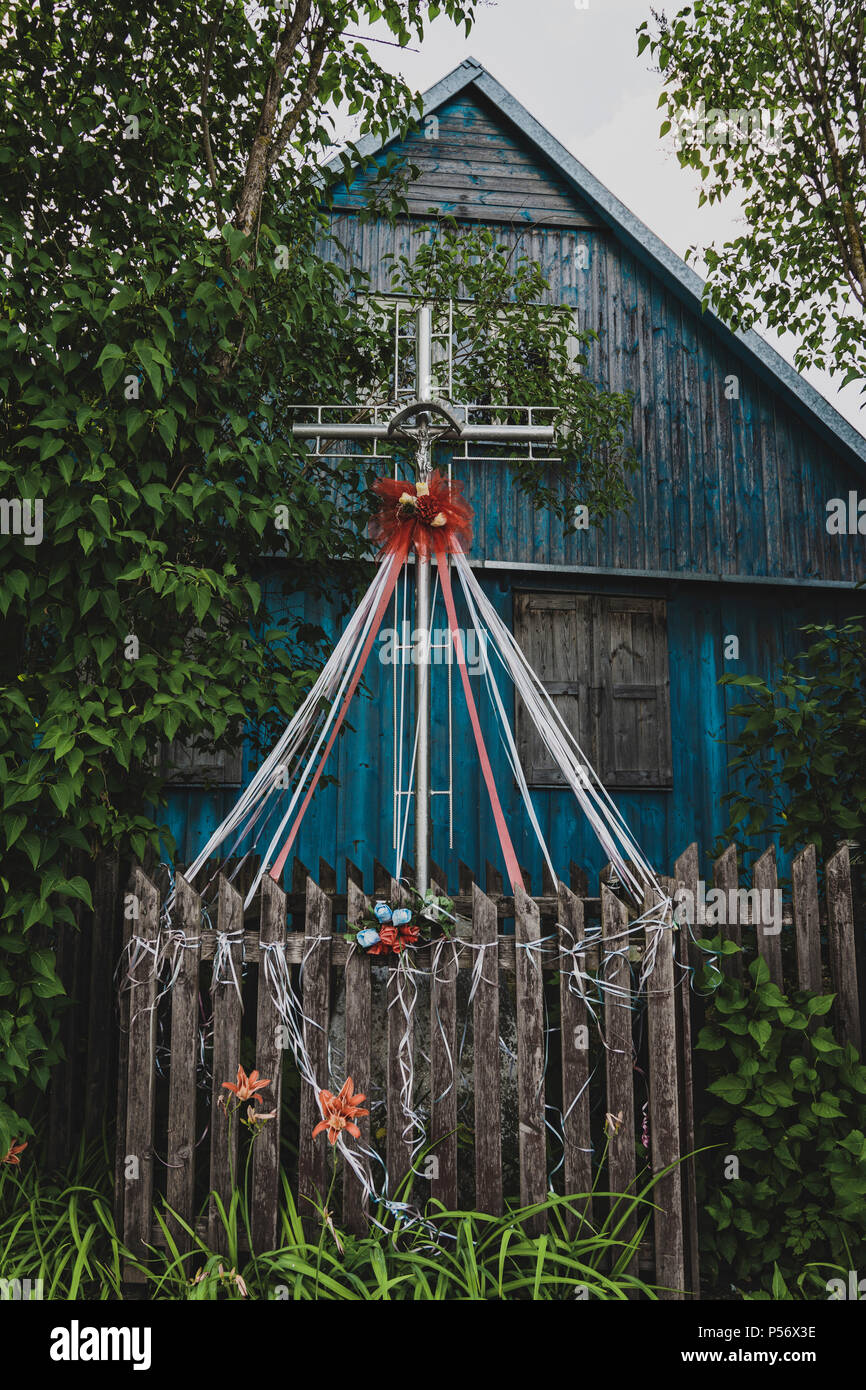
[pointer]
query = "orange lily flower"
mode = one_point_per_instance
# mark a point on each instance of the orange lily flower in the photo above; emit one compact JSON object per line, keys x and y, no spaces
{"x":16,"y":1149}
{"x":340,"y":1112}
{"x":246,"y":1086}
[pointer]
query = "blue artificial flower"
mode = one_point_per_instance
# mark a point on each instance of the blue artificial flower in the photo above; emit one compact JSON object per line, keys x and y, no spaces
{"x":367,"y":938}
{"x":401,"y":917}
{"x":382,"y":911}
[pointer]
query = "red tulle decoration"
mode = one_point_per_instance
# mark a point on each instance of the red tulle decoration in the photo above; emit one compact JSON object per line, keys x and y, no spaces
{"x":435,"y":515}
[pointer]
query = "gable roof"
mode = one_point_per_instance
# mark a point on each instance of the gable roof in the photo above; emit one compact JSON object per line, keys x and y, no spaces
{"x":646,"y":246}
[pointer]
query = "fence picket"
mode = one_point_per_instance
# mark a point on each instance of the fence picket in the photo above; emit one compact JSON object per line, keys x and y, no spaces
{"x":269,"y":1063}
{"x":664,"y":1111}
{"x":687,"y":873}
{"x":575,"y":1057}
{"x":842,"y":951}
{"x":358,"y":1050}
{"x":807,"y":920}
{"x":619,"y":1053}
{"x":401,"y":1046}
{"x":443,"y":1073}
{"x":138,"y":1157}
{"x":120,"y":1148}
{"x":180,"y":1180}
{"x":689,"y":1018}
{"x":726,"y":875}
{"x":314,"y":1154}
{"x":485,"y":1045}
{"x":227,"y":1013}
{"x":769,"y":940}
{"x":530,"y":1057}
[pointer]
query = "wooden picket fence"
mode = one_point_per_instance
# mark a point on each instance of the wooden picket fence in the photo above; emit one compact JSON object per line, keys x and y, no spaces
{"x":165,"y":1145}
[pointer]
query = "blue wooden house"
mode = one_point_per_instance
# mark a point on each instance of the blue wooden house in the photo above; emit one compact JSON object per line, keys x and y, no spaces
{"x":724,"y":554}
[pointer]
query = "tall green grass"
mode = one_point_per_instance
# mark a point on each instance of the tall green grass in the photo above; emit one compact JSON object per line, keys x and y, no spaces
{"x":63,"y":1232}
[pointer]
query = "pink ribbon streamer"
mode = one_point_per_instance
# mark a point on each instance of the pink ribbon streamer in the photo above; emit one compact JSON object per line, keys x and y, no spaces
{"x":511,"y":864}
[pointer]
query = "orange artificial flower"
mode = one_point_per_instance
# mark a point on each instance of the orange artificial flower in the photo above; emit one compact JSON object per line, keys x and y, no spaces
{"x":340,"y":1112}
{"x":12,"y":1156}
{"x":387,"y":942}
{"x":246,"y":1086}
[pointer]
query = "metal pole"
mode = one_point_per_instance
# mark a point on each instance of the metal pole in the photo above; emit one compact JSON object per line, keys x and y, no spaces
{"x":424,"y":392}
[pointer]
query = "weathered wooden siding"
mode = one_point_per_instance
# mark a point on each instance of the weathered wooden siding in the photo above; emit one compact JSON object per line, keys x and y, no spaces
{"x":471,"y":166}
{"x":733,"y":487}
{"x":354,"y":818}
{"x":728,"y":490}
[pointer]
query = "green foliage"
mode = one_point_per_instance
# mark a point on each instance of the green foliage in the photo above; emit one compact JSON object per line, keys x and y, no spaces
{"x":798,"y":67}
{"x":802,"y":748}
{"x":64,"y":1234}
{"x":791,"y":1107}
{"x":160,"y":305}
{"x":512,"y":345}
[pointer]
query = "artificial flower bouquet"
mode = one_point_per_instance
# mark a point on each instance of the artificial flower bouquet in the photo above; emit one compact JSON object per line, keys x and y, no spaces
{"x":389,"y":930}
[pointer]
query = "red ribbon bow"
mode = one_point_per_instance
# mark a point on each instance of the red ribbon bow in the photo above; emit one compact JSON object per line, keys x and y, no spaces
{"x":431,"y":515}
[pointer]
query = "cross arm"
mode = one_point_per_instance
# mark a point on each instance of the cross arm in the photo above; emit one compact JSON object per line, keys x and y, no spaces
{"x":470,"y":434}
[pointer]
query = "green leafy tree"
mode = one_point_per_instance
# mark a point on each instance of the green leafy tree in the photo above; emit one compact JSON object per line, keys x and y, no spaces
{"x":161,"y":303}
{"x":801,"y":752}
{"x":768,"y":102}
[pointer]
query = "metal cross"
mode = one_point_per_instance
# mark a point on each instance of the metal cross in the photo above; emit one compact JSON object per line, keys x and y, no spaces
{"x":423,"y":422}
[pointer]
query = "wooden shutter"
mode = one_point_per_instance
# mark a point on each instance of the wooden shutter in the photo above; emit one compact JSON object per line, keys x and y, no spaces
{"x":630,"y":673}
{"x":553,"y":630}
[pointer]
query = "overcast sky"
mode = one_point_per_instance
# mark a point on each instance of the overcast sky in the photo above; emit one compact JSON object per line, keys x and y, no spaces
{"x":576,"y":71}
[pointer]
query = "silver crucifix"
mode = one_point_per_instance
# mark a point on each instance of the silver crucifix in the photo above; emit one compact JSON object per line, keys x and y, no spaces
{"x":422,"y":422}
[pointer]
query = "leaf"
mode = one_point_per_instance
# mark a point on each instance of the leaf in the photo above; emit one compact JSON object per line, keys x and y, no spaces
{"x":111,"y":362}
{"x":61,"y":795}
{"x":761,"y":1031}
{"x":235,"y":240}
{"x":729,"y":1088}
{"x":13,"y":825}
{"x":167,"y":425}
{"x":76,"y":887}
{"x":819,"y":1004}
{"x":779,"y":1288}
{"x":147,"y":358}
{"x":43,"y":962}
{"x":827,"y":1108}
{"x":47,"y":989}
